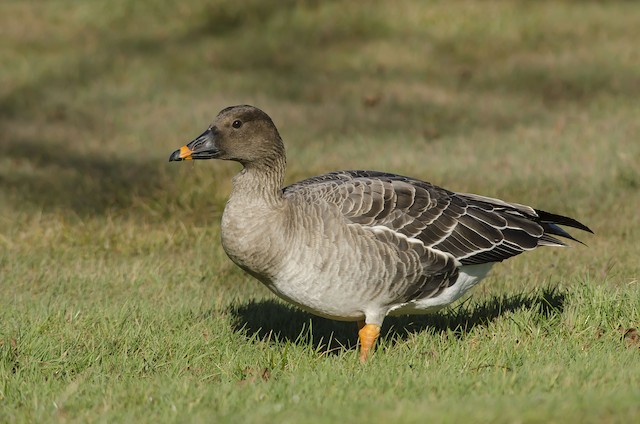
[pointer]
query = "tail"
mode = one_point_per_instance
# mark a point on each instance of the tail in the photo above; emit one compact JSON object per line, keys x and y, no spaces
{"x":550,"y":222}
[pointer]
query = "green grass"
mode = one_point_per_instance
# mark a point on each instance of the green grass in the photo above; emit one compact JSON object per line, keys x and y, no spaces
{"x":117,"y":303}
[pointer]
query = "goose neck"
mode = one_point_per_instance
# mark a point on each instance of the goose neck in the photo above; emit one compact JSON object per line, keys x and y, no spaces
{"x":262,"y":180}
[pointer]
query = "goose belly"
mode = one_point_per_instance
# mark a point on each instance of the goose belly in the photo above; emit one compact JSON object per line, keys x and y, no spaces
{"x":315,"y":285}
{"x":342,"y":272}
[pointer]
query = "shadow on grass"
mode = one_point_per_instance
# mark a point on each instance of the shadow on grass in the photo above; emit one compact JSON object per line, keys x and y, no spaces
{"x":277,"y":322}
{"x":86,"y":184}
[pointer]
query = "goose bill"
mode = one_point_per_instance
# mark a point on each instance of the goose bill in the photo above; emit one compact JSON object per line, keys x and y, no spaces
{"x":201,"y":147}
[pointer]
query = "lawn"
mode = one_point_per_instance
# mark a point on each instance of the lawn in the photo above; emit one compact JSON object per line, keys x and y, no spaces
{"x":118,"y":304}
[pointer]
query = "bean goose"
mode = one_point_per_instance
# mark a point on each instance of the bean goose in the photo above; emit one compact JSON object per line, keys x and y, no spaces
{"x":359,"y":245}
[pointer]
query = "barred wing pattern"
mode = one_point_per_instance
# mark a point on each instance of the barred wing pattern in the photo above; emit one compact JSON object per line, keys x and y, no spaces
{"x":472,"y":229}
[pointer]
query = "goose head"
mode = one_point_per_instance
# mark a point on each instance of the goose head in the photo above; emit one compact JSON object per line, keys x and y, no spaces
{"x":242,"y":133}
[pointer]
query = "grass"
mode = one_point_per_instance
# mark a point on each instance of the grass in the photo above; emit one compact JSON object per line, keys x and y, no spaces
{"x":117,"y":302}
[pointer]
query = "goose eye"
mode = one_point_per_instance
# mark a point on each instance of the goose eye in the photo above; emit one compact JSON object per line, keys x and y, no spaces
{"x":236,"y":124}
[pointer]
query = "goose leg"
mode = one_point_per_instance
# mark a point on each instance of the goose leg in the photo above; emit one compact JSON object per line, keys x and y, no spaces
{"x":367,"y":334}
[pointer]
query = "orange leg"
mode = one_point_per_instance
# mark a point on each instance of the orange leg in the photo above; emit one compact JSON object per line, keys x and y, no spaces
{"x":367,"y":334}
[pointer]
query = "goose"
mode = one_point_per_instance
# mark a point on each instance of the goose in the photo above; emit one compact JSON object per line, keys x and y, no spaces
{"x":359,"y":245}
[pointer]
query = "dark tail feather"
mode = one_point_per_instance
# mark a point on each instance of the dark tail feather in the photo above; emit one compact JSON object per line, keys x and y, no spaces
{"x":550,"y":222}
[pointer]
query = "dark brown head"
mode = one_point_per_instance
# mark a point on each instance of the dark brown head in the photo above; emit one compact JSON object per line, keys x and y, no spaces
{"x":241,"y":133}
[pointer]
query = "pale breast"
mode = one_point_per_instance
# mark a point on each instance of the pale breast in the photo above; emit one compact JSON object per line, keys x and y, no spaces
{"x":252,"y":238}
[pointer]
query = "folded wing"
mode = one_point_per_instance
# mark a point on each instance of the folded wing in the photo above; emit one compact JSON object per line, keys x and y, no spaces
{"x":473,"y":229}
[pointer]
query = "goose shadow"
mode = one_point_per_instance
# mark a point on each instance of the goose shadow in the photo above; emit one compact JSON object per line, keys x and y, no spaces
{"x":276,"y":322}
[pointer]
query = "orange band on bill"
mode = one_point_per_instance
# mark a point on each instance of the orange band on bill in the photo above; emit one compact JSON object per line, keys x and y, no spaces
{"x":185,"y":153}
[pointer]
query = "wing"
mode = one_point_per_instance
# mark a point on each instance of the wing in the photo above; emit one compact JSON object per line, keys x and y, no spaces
{"x":471,"y":228}
{"x":419,"y":271}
